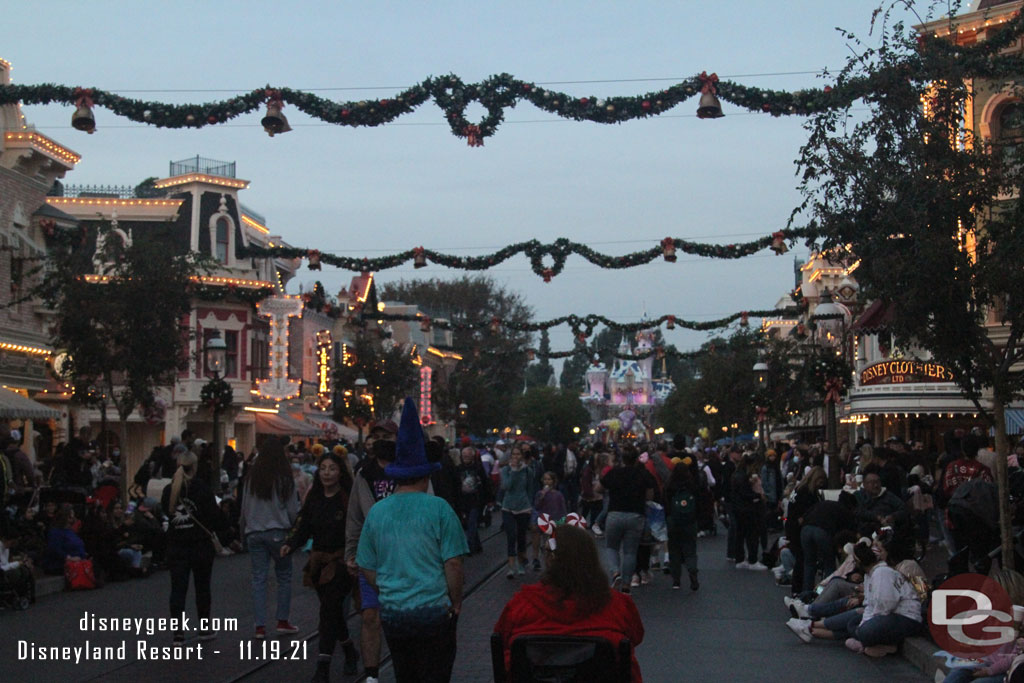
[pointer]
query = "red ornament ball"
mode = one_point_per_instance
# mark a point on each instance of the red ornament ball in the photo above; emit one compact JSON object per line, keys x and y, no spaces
{"x":212,"y":118}
{"x":828,"y":88}
{"x":645,"y":104}
{"x":766,"y":107}
{"x":345,"y":112}
{"x":584,"y":101}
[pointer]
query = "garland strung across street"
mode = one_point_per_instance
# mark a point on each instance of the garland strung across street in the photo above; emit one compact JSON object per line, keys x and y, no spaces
{"x":503,"y":91}
{"x":582,"y":326}
{"x":546,"y":260}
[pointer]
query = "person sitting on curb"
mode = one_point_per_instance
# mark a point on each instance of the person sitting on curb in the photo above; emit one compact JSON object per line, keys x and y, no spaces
{"x":891,"y":612}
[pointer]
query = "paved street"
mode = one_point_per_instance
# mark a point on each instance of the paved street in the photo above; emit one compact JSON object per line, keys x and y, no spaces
{"x":733,"y":629}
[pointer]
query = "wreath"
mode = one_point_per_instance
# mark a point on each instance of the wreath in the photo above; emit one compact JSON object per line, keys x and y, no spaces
{"x":217,"y":394}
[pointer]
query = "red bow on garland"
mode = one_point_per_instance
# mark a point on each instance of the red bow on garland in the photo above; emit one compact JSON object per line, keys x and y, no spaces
{"x":274,"y":97}
{"x":833,"y":390}
{"x":708,"y":82}
{"x":83,"y":97}
{"x":474,"y":138}
{"x":762,"y":414}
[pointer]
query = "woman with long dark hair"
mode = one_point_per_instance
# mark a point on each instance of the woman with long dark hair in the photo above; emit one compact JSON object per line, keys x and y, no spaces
{"x":322,"y":518}
{"x":194,"y":516}
{"x":681,"y":503}
{"x":572,"y":598}
{"x":269,"y":508}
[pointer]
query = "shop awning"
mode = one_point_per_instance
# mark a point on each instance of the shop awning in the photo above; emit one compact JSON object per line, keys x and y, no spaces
{"x":15,"y":406}
{"x":282,"y":425}
{"x":328,"y":427}
{"x":1014,"y":420}
{"x":875,"y":318}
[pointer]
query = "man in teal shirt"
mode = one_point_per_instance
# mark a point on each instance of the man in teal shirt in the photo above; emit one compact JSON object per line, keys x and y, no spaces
{"x":411,"y":550}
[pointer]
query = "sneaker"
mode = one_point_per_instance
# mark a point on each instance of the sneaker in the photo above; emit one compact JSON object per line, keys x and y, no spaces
{"x":675,"y":585}
{"x":788,"y":600}
{"x":880,"y":650}
{"x":743,"y":565}
{"x":855,"y":645}
{"x":758,"y":567}
{"x":511,"y":573}
{"x":694,"y":583}
{"x":802,"y":628}
{"x":521,"y":570}
{"x":261,"y":632}
{"x":207,"y":635}
{"x":635,"y":582}
{"x":285,"y":626}
{"x":536,"y":565}
{"x":645,"y":578}
{"x":370,"y":679}
{"x":597,"y":531}
{"x":800,"y":609}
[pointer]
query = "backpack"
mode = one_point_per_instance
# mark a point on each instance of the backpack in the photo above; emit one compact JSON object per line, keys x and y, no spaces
{"x":683,"y":508}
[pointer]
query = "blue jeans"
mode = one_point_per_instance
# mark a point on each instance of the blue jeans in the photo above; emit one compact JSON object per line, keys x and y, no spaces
{"x":965,"y":674}
{"x":473,"y":528}
{"x":817,"y":545}
{"x":265,"y":546}
{"x":622,"y":532}
{"x":821,"y":610}
{"x":884,"y":629}
{"x":131,"y":557}
{"x":603,"y":515}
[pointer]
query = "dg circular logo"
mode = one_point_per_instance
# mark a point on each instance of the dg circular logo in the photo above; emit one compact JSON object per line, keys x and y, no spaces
{"x":970,"y":616}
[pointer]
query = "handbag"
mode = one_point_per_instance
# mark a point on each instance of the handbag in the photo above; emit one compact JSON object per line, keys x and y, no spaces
{"x":217,"y":546}
{"x":79,"y":574}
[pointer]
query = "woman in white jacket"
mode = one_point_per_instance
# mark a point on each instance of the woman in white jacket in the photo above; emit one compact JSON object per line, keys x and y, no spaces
{"x":891,"y":610}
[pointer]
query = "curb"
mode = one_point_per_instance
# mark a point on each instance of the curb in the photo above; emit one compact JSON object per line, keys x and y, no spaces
{"x":920,"y":652}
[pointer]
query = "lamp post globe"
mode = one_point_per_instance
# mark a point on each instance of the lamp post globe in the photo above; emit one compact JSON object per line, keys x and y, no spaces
{"x":215,"y":352}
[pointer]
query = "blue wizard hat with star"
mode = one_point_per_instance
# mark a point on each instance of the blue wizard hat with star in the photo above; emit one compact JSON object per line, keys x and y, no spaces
{"x":410,"y":451}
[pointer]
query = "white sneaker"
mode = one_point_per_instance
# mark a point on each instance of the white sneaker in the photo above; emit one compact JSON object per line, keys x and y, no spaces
{"x":597,"y":531}
{"x":758,"y":567}
{"x":802,"y":628}
{"x":635,"y":582}
{"x":370,"y":679}
{"x":743,"y":565}
{"x":801,"y":609}
{"x":788,"y":600}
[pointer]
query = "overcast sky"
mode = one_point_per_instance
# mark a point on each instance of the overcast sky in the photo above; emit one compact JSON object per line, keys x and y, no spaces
{"x":363,"y":191}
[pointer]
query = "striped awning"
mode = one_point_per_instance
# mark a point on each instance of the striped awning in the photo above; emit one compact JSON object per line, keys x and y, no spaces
{"x":282,"y":425}
{"x":1014,"y":420}
{"x":15,"y":406}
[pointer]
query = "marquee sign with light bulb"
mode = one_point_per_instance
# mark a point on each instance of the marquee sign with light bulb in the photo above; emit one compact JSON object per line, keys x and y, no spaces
{"x":324,"y":363}
{"x":279,"y":309}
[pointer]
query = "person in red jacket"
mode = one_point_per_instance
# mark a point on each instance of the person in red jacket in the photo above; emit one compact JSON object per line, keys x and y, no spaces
{"x":572,"y":599}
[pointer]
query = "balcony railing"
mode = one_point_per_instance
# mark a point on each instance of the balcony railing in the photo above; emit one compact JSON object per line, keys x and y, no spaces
{"x":106,"y":191}
{"x":198,"y":164}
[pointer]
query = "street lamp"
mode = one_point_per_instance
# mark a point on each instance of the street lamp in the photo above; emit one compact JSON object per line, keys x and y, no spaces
{"x":360,"y":386}
{"x":761,"y":372}
{"x":830,"y":323}
{"x":216,"y":352}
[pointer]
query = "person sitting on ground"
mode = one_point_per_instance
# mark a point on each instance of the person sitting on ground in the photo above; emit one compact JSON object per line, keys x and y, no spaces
{"x":572,"y":599}
{"x":62,"y":543}
{"x":830,"y":596}
{"x":892,"y":609}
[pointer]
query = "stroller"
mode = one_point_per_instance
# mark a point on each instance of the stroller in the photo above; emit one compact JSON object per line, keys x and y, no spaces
{"x":17,"y":588}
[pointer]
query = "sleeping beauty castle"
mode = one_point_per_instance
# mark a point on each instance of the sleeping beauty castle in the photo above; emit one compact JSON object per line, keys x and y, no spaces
{"x":630,"y":385}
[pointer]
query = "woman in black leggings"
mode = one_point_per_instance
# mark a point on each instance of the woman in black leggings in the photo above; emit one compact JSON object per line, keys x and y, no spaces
{"x":322,"y":518}
{"x":194,"y":515}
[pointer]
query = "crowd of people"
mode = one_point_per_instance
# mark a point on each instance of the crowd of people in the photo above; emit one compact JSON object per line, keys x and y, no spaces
{"x":387,"y":527}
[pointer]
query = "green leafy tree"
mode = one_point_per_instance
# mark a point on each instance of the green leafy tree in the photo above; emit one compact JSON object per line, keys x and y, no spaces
{"x":491,"y":372}
{"x":125,"y":335}
{"x":550,"y":413}
{"x":540,"y":373}
{"x":389,"y":373}
{"x":933,"y":210}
